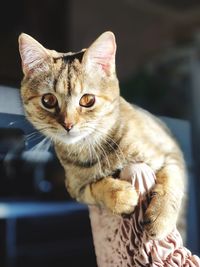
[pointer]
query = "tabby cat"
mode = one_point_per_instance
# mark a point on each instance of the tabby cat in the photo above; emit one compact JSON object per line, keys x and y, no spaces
{"x":73,"y":98}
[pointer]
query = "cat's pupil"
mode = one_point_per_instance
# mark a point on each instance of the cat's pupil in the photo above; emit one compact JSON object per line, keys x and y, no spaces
{"x":87,"y":100}
{"x":49,"y":101}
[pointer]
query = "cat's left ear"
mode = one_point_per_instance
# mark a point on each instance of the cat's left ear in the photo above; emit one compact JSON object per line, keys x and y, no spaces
{"x":101,"y":54}
{"x":34,"y":56}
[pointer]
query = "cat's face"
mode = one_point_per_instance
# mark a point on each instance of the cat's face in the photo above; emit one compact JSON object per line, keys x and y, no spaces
{"x":70,"y":96}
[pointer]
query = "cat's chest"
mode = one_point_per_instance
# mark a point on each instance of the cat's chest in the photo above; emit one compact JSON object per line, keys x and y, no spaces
{"x":94,"y":166}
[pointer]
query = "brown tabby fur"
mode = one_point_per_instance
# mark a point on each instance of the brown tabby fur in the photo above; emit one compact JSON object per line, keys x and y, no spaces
{"x":119,"y":133}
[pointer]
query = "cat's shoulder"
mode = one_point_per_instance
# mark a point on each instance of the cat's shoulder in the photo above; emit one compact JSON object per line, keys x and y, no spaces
{"x":141,"y":117}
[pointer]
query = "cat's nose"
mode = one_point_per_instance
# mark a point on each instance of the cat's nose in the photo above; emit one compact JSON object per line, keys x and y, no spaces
{"x":68,"y":126}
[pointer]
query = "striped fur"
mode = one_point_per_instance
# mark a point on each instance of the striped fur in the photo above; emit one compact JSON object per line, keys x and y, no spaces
{"x":105,"y":137}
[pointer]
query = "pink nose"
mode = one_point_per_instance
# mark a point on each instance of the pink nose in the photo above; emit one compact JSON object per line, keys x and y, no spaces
{"x":68,"y":126}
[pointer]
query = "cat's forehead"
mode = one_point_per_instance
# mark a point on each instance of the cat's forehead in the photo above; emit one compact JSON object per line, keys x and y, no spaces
{"x":70,"y":57}
{"x":68,"y":69}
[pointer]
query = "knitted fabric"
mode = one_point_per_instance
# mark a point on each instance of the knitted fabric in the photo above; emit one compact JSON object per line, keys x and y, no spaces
{"x":120,"y":241}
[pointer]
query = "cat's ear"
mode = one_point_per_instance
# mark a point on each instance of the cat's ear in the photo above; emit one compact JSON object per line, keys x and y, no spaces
{"x":101,"y":54}
{"x":33,"y":54}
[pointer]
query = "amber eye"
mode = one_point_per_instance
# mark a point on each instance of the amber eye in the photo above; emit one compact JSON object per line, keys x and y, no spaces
{"x":49,"y":101}
{"x":87,"y":100}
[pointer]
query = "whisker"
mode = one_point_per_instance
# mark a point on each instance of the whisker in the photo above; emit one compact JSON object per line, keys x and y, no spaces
{"x":96,"y":154}
{"x":44,"y":145}
{"x":106,"y":137}
{"x":31,"y":135}
{"x":104,"y":153}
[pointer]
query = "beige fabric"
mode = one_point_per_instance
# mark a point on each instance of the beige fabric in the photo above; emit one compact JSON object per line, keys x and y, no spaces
{"x":121,"y":241}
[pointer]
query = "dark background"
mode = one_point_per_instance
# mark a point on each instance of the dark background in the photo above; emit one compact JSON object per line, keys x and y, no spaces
{"x":157,"y":58}
{"x":153,"y":38}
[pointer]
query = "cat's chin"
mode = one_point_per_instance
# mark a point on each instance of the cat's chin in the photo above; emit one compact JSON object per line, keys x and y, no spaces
{"x":71,"y":139}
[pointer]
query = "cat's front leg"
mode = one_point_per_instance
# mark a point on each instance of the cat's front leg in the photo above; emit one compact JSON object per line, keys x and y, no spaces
{"x":120,"y":197}
{"x":162,"y":212}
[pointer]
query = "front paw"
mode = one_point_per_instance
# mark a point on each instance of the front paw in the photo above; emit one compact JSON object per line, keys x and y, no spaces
{"x":121,"y":198}
{"x":161,"y":215}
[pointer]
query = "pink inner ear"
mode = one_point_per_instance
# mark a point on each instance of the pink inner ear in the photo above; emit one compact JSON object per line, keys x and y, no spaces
{"x":32,"y":53}
{"x":102,"y":52}
{"x":105,"y":59}
{"x":104,"y":62}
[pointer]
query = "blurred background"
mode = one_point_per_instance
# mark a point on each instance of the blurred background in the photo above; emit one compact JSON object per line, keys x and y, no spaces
{"x":158,"y":65}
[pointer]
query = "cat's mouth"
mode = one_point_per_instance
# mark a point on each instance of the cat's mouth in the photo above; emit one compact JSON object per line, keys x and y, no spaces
{"x":70,"y":137}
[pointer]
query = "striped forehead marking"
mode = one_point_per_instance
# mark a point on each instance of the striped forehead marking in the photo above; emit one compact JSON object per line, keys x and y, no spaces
{"x":72,"y":57}
{"x":69,"y":58}
{"x":67,"y":67}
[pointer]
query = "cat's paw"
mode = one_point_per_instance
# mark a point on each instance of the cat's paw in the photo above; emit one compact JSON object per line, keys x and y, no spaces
{"x":121,"y":198}
{"x":161,"y":215}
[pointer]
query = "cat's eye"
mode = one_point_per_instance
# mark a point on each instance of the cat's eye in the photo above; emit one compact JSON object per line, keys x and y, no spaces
{"x":87,"y":100}
{"x":49,"y":101}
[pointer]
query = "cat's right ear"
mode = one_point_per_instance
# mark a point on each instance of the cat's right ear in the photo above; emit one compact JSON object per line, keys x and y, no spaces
{"x":33,"y":54}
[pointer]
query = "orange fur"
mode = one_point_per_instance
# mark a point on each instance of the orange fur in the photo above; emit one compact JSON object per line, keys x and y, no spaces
{"x":105,"y":137}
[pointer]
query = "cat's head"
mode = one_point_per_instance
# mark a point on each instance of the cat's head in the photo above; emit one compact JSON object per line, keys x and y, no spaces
{"x":70,"y":96}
